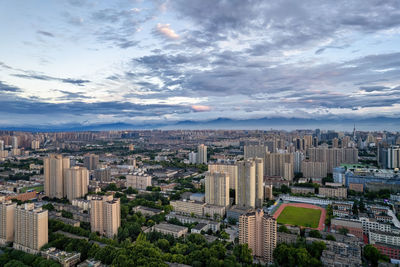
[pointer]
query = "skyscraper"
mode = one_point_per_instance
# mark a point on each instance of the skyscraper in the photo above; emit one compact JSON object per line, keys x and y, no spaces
{"x":105,"y":215}
{"x":202,"y":154}
{"x":76,"y":182}
{"x":54,"y":183}
{"x":7,"y":211}
{"x":35,"y":144}
{"x":259,"y":232}
{"x":217,"y":188}
{"x":249,"y":186}
{"x":393,"y":157}
{"x":91,"y":161}
{"x":1,"y":145}
{"x":31,"y":228}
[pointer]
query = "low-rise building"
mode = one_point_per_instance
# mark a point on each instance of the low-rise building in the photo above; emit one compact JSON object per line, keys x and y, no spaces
{"x":353,"y":226}
{"x":66,"y":259}
{"x":200,"y":227}
{"x":170,"y":229}
{"x":302,"y":190}
{"x":147,"y":211}
{"x":384,"y":237}
{"x":213,"y":211}
{"x":287,"y":238}
{"x":393,"y":252}
{"x":188,"y":207}
{"x":333,"y":192}
{"x":213,"y":225}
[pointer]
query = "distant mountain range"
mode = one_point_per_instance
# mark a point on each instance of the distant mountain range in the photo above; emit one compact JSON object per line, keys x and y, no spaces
{"x":378,"y":123}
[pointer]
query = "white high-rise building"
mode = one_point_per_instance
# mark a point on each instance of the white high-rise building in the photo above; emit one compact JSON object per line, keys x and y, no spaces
{"x":35,"y":144}
{"x":1,"y":145}
{"x":202,"y":154}
{"x":393,"y":157}
{"x":14,"y":141}
{"x":192,"y":157}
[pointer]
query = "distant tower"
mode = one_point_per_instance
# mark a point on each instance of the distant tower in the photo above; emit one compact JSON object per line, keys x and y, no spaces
{"x":354,"y":132}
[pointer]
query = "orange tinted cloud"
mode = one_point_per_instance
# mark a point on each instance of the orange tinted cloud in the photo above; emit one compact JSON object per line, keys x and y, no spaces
{"x":201,"y":108}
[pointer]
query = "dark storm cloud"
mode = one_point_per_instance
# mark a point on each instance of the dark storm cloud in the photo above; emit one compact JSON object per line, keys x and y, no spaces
{"x":79,"y":82}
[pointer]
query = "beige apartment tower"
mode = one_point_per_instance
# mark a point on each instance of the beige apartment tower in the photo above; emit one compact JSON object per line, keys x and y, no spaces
{"x":105,"y":215}
{"x":138,"y":180}
{"x":280,"y":164}
{"x":249,"y":191}
{"x":91,"y":161}
{"x":202,"y":154}
{"x":54,"y":167}
{"x":230,"y":170}
{"x":7,"y":211}
{"x":31,"y":228}
{"x":217,"y":188}
{"x":259,"y":231}
{"x":76,"y":182}
{"x":255,"y":151}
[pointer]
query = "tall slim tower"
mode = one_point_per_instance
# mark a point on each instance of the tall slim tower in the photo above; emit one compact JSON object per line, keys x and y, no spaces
{"x":202,"y":154}
{"x":91,"y":161}
{"x":76,"y":182}
{"x":14,"y":142}
{"x":249,"y":186}
{"x":259,"y":231}
{"x":31,"y":228}
{"x":217,"y":188}
{"x":1,"y":145}
{"x":54,"y":183}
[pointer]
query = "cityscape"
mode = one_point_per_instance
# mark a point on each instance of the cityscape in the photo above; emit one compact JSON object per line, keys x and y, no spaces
{"x":179,"y":133}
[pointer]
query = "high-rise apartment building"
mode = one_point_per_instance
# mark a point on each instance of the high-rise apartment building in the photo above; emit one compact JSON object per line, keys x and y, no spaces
{"x":1,"y":145}
{"x":35,"y":144}
{"x":230,"y":169}
{"x":31,"y":228}
{"x":249,"y":186}
{"x":105,"y":215}
{"x":202,"y":154}
{"x":335,"y":142}
{"x":259,"y":232}
{"x":14,"y":142}
{"x":54,"y":167}
{"x":91,"y":161}
{"x":393,"y":157}
{"x":192,"y":157}
{"x":255,"y":151}
{"x":76,"y":182}
{"x":138,"y":180}
{"x":280,"y":164}
{"x":217,"y":188}
{"x":333,"y":156}
{"x":312,"y":169}
{"x":7,"y":211}
{"x":298,"y":158}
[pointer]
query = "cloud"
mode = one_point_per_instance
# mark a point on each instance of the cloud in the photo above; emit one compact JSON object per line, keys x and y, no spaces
{"x":47,"y":34}
{"x":200,"y":108}
{"x":79,"y":82}
{"x":166,"y":31}
{"x":8,"y":88}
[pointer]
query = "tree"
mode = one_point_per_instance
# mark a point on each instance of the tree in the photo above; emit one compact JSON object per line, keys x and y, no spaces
{"x":48,"y":207}
{"x":315,"y":234}
{"x":373,"y":255}
{"x":242,"y":253}
{"x":343,"y":231}
{"x":283,"y":229}
{"x":355,"y":207}
{"x":330,"y":237}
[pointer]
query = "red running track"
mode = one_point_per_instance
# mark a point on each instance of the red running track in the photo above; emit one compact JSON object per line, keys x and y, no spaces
{"x":302,"y":205}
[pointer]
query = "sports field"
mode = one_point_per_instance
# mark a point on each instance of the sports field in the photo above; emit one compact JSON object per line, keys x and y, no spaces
{"x":307,"y":217}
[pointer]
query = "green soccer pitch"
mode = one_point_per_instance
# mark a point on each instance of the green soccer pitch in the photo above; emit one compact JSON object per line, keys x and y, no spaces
{"x":300,"y":216}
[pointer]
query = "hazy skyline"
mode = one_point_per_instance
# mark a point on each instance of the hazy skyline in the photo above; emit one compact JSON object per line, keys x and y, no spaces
{"x":159,"y":62}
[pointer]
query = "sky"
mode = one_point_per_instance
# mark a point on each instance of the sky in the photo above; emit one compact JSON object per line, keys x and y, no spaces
{"x":167,"y":61}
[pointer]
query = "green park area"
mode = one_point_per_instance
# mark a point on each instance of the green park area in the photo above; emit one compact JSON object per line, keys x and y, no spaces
{"x":39,"y":188}
{"x":300,"y":216}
